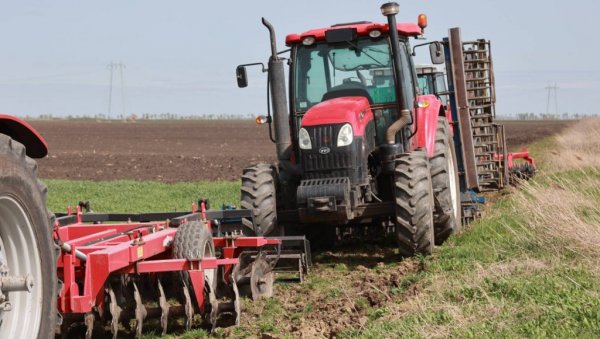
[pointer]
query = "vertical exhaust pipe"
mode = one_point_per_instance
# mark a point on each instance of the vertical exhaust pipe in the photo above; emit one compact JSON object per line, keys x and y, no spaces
{"x":390,"y":10}
{"x":278,"y":99}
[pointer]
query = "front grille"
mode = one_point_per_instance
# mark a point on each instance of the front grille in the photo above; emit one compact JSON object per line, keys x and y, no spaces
{"x":325,"y":135}
{"x":347,"y":161}
{"x":334,"y":160}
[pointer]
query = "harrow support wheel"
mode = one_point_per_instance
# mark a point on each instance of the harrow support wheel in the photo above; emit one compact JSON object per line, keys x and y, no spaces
{"x":446,"y":187}
{"x":414,"y":204}
{"x":194,"y":241}
{"x":26,"y":247}
{"x":258,"y":194}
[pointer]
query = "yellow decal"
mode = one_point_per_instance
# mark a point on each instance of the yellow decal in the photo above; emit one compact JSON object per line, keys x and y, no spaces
{"x":140,"y":252}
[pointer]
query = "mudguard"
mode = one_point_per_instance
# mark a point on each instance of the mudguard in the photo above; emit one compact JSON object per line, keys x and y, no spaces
{"x":426,"y":123}
{"x":19,"y":130}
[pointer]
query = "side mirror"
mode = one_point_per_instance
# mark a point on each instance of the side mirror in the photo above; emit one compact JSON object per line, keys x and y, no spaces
{"x":242,"y":77}
{"x":436,"y":50}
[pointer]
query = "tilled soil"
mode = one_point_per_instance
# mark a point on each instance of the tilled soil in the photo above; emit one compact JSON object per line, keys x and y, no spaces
{"x":520,"y":133}
{"x":184,"y":150}
{"x":340,"y":298}
{"x":168,"y":151}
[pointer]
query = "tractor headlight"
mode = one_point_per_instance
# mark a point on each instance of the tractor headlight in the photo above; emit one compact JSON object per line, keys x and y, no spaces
{"x":345,"y":136}
{"x":304,"y":139}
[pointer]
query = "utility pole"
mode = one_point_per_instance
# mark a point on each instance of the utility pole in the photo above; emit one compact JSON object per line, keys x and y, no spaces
{"x":112,"y":67}
{"x":552,"y":89}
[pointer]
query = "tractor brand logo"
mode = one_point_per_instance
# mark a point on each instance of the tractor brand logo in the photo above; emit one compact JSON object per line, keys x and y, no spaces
{"x":324,"y":150}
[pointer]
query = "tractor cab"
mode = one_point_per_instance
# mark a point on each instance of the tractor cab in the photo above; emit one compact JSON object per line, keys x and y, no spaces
{"x":352,"y":60}
{"x":432,"y":80}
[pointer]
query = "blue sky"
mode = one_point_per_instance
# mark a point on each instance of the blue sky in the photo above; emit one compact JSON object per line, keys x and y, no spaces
{"x":180,"y":56}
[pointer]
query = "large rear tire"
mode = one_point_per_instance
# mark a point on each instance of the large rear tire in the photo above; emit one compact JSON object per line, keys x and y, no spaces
{"x":26,"y":245}
{"x":444,"y":175}
{"x":414,"y":204}
{"x":258,"y":194}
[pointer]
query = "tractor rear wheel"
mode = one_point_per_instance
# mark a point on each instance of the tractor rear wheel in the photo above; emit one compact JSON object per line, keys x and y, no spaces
{"x":414,"y":204}
{"x":444,"y":175}
{"x":26,"y":247}
{"x":259,"y":196}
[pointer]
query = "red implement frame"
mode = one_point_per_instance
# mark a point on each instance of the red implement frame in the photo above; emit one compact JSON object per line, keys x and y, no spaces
{"x":511,"y":156}
{"x":91,"y":252}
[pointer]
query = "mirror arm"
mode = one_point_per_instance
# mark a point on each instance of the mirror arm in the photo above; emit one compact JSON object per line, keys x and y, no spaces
{"x":420,"y":45}
{"x":263,"y":68}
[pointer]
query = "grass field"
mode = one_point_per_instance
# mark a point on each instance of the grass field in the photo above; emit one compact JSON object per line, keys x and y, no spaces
{"x":139,"y":196}
{"x":528,"y":268}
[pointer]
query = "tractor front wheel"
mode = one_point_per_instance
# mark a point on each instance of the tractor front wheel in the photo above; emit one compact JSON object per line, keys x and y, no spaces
{"x":414,"y":204}
{"x":444,"y":175}
{"x":259,"y":196}
{"x":26,"y":248}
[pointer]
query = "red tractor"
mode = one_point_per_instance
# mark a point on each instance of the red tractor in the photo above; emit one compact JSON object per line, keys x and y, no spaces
{"x":27,"y":252}
{"x":361,"y":145}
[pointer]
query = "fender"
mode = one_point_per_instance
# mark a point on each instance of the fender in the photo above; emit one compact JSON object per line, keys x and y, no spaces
{"x":35,"y":146}
{"x":426,"y":123}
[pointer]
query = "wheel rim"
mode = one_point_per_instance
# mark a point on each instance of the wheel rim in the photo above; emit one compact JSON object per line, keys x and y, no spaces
{"x":22,"y":255}
{"x":209,"y":275}
{"x":453,"y":186}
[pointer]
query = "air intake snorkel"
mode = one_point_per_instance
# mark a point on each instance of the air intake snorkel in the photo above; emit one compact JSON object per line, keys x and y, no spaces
{"x":390,"y":10}
{"x":278,"y":99}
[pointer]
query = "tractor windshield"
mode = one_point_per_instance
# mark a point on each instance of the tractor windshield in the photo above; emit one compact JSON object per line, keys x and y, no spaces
{"x":324,"y":71}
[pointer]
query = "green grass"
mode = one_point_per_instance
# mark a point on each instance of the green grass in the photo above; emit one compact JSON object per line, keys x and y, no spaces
{"x":136,"y":196}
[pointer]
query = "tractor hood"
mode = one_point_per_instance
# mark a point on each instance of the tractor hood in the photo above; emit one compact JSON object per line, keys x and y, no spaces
{"x":353,"y":110}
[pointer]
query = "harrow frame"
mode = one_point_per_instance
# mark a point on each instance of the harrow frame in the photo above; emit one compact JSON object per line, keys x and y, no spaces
{"x":94,"y":246}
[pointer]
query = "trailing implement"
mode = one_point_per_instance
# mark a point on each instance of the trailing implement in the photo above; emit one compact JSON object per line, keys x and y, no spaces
{"x":118,"y":268}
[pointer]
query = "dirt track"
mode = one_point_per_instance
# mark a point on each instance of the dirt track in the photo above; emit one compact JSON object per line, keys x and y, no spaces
{"x":173,"y":151}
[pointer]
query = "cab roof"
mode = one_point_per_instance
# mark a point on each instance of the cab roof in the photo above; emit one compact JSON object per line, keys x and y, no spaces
{"x":362,"y":29}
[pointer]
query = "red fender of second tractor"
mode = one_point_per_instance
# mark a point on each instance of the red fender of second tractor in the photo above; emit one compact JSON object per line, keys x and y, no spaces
{"x":426,"y":123}
{"x":353,"y":110}
{"x":19,"y":130}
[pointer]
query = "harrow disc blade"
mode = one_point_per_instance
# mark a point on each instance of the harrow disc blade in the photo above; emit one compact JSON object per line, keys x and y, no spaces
{"x":164,"y":306}
{"x":189,"y":307}
{"x":115,"y":312}
{"x":261,"y":279}
{"x":236,"y":303}
{"x":140,"y":311}
{"x":213,"y":314}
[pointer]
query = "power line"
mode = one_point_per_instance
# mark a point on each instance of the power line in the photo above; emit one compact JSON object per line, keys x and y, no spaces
{"x":112,"y":67}
{"x":552,"y":89}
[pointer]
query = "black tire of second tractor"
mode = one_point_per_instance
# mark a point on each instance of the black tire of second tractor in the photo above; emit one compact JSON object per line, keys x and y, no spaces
{"x":258,"y":194}
{"x":447,"y":218}
{"x":414,"y":204}
{"x":18,"y":179}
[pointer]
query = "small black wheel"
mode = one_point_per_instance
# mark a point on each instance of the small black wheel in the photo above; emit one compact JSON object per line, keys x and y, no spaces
{"x":446,"y":187}
{"x":258,"y":194}
{"x":26,"y":246}
{"x":414,"y":204}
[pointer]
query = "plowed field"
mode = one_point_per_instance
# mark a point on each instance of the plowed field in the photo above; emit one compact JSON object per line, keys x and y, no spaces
{"x":180,"y":150}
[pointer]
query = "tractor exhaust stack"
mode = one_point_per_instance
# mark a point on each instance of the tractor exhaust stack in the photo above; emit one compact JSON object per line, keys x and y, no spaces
{"x":390,"y":10}
{"x":278,"y":99}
